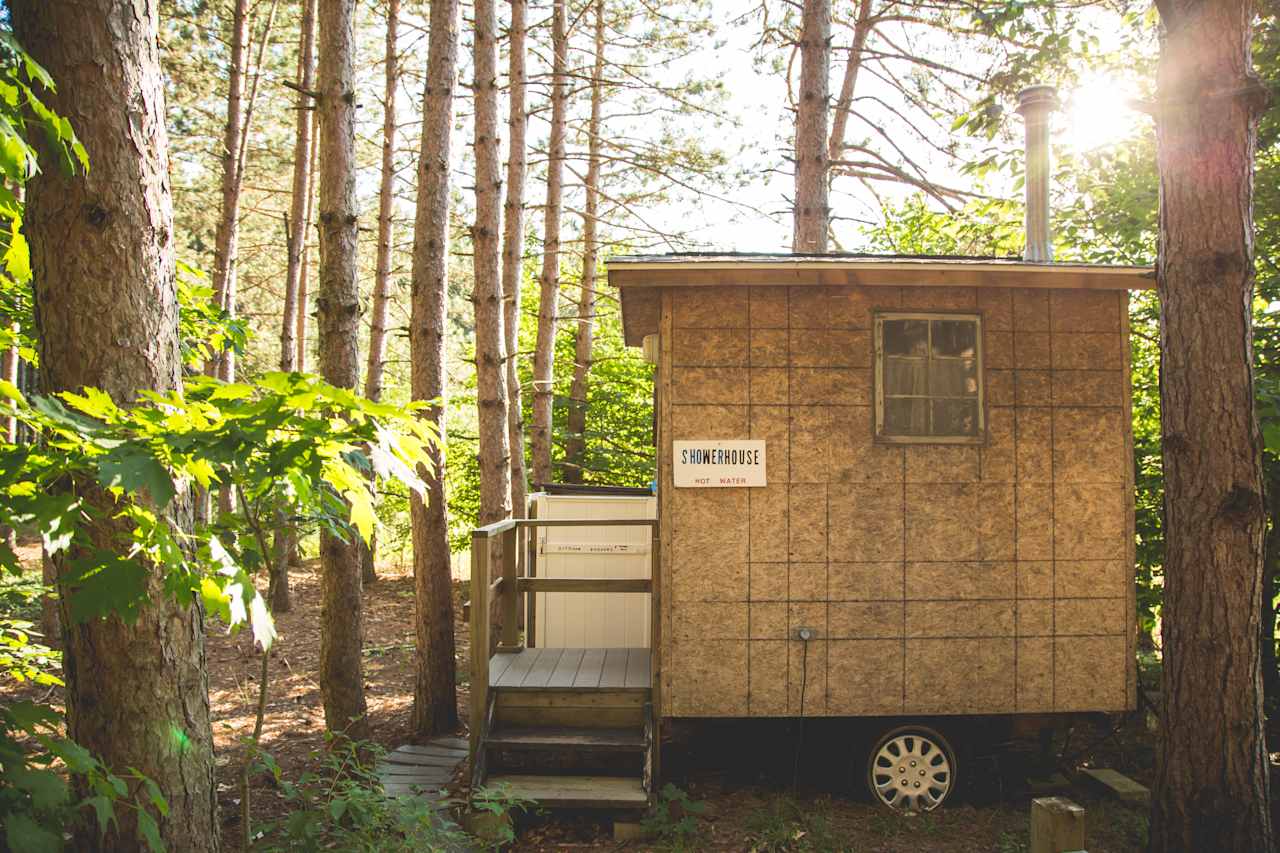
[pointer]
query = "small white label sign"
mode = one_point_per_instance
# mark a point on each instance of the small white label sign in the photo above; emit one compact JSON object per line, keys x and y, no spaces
{"x":718,"y":464}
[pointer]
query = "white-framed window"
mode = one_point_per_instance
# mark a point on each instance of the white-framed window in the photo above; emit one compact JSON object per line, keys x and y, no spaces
{"x":929,"y":377}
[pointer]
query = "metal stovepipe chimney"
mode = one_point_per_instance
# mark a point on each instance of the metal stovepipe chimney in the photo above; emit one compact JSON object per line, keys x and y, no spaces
{"x":1036,"y":104}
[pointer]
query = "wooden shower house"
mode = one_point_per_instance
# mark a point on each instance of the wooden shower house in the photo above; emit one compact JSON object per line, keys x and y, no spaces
{"x":890,"y":488}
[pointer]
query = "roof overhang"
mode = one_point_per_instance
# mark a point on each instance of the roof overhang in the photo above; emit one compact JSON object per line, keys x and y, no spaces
{"x":640,"y":279}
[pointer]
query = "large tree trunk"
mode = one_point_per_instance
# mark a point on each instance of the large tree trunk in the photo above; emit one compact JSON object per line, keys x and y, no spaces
{"x":102,"y":253}
{"x":435,"y":703}
{"x":226,"y":238}
{"x":1211,"y":781}
{"x":544,"y":352}
{"x":491,"y":376}
{"x":338,"y":322}
{"x":810,"y":217}
{"x":513,"y":251}
{"x":576,"y":444}
{"x":844,"y":103}
{"x":296,"y":244}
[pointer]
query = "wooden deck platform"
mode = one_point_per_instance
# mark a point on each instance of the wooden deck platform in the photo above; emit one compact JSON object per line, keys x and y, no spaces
{"x":425,"y":770}
{"x":571,"y":669}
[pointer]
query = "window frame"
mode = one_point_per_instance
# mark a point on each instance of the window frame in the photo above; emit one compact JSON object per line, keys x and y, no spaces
{"x":980,"y":436}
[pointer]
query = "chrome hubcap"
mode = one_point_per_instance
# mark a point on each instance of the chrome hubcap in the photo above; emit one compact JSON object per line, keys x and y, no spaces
{"x":911,"y":773}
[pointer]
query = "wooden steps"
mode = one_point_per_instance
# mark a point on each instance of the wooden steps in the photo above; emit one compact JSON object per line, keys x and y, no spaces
{"x":575,"y":792}
{"x":556,"y":739}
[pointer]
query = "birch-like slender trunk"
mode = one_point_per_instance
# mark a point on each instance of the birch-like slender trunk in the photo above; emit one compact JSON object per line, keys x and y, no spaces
{"x":549,"y":282}
{"x":1212,"y":773}
{"x":227,"y":235}
{"x":300,"y":201}
{"x":579,"y":390}
{"x":296,"y":244}
{"x":513,"y":249}
{"x":810,"y":217}
{"x":338,"y":325}
{"x":435,"y":703}
{"x":491,"y":376}
{"x":103,"y":263}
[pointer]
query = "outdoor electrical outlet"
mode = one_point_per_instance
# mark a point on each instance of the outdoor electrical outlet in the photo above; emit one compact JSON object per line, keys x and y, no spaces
{"x":806,"y":634}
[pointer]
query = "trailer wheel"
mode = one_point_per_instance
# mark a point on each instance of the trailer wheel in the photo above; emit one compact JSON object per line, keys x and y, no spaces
{"x":912,"y":769}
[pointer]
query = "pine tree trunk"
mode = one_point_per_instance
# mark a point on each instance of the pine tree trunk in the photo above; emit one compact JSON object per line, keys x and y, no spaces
{"x":226,"y":238}
{"x":338,"y":325}
{"x":299,"y":205}
{"x":513,"y":251}
{"x":844,"y":103}
{"x":435,"y":702}
{"x":296,"y":242}
{"x":1211,"y":786}
{"x":491,"y":376}
{"x":810,"y":218}
{"x":304,"y":274}
{"x":386,"y":197}
{"x":544,"y":352}
{"x":9,"y":373}
{"x":102,"y":253}
{"x":576,"y":444}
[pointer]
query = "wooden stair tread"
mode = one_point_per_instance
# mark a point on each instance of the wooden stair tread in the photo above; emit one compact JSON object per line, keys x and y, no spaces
{"x":586,"y":739}
{"x":604,"y":792}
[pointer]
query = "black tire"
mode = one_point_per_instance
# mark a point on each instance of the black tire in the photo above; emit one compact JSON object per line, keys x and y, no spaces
{"x":912,"y":768}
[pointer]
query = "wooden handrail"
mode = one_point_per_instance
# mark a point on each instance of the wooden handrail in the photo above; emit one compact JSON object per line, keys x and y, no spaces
{"x":584,"y":585}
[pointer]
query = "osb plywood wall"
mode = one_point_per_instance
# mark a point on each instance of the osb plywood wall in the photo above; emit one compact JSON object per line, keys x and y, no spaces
{"x":939,"y":578}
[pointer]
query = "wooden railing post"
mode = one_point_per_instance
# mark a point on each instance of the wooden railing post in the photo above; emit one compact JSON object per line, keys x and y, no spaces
{"x":479,"y":639}
{"x":510,"y":592}
{"x":655,"y":650}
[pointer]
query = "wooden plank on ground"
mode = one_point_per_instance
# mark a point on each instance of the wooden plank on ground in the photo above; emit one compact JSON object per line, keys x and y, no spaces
{"x":450,"y":742}
{"x":438,"y":775}
{"x":1119,"y":786}
{"x":513,"y":675}
{"x":414,"y":759}
{"x":566,"y":669}
{"x":606,"y":792}
{"x":540,"y":673}
{"x":430,"y":749}
{"x":637,"y":668}
{"x":614,"y":672}
{"x":589,"y":672}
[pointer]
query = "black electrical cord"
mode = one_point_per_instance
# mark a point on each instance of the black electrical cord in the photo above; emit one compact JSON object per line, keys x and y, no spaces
{"x":804,"y":676}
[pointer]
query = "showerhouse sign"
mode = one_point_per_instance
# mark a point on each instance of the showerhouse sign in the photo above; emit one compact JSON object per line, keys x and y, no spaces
{"x":718,"y":464}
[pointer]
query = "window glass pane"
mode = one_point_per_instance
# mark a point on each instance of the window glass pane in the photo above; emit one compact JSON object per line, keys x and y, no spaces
{"x":905,"y":376}
{"x":953,"y":378}
{"x":955,"y":339}
{"x":906,"y":416}
{"x":954,"y":417}
{"x":906,"y":337}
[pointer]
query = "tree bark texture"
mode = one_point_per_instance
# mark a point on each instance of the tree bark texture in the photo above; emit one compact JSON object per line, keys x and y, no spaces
{"x":544,"y":352}
{"x":435,"y":703}
{"x":304,"y":274}
{"x":1211,"y":786}
{"x":299,"y":203}
{"x":862,"y":27}
{"x":576,"y":443}
{"x":491,"y":376}
{"x":338,"y":326}
{"x":810,"y":215}
{"x":513,"y":249}
{"x":386,"y":198}
{"x":226,"y":238}
{"x":107,"y":317}
{"x":9,"y":373}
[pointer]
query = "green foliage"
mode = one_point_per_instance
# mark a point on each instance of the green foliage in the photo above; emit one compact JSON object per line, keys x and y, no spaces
{"x":339,"y":805}
{"x":785,"y":826}
{"x":674,"y":820}
{"x":205,"y":329}
{"x":499,"y":801}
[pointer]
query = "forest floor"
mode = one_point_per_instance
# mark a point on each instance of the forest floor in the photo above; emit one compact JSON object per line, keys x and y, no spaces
{"x":749,"y":799}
